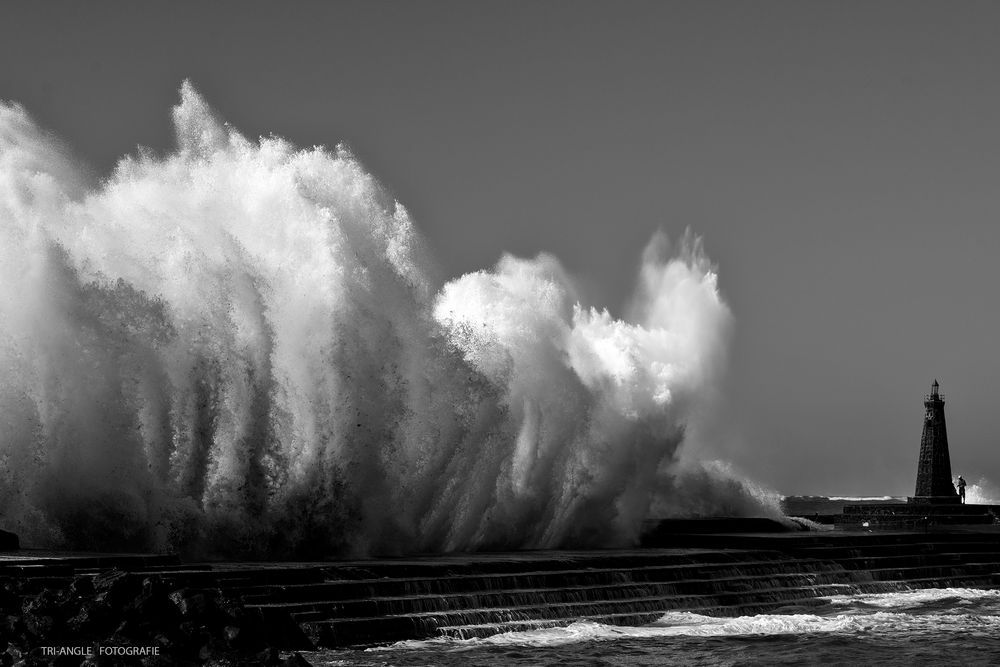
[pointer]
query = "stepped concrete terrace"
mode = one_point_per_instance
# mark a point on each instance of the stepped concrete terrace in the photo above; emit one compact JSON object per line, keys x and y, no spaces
{"x":349,"y":603}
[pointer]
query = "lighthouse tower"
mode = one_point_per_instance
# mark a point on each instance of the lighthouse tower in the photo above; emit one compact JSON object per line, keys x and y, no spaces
{"x":934,"y":468}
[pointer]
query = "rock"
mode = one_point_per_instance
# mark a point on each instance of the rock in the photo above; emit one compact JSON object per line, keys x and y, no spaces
{"x":40,"y":625}
{"x":213,"y":649}
{"x":33,"y":662}
{"x":270,"y":657}
{"x":232,"y":606}
{"x":154,"y":585}
{"x":67,"y":607}
{"x":158,"y":661}
{"x":188,"y":630}
{"x":38,"y":613}
{"x":244,"y":633}
{"x":13,"y":629}
{"x":94,"y":618}
{"x":155,"y":608}
{"x":82,"y":587}
{"x":35,"y":657}
{"x":101,"y":661}
{"x":295,"y":660}
{"x":10,"y":601}
{"x":106,"y":580}
{"x":195,"y":605}
{"x":130,"y":632}
{"x":45,"y":602}
{"x":65,"y":661}
{"x":116,"y":587}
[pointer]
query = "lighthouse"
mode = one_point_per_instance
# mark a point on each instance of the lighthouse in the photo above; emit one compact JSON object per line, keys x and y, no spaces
{"x":934,"y":466}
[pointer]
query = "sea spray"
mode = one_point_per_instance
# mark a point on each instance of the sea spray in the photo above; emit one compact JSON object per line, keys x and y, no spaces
{"x":243,"y":348}
{"x":982,"y":492}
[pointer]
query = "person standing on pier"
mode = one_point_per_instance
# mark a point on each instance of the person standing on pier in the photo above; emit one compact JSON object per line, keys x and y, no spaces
{"x":961,"y":489}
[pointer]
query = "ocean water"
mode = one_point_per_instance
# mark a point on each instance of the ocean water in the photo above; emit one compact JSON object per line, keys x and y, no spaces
{"x":950,"y":626}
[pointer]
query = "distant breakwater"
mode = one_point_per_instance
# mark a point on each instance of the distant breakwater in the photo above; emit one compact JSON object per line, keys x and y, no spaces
{"x":197,"y":610}
{"x":889,"y":513}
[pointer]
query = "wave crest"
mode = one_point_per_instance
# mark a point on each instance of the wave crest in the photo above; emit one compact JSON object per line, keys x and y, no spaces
{"x":243,"y":348}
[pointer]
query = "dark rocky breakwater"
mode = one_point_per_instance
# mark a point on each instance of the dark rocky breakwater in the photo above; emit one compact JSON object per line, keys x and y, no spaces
{"x":62,"y":609}
{"x":261,"y":613}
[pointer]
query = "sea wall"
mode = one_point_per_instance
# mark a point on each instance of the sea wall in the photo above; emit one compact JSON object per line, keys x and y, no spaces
{"x":195,"y":611}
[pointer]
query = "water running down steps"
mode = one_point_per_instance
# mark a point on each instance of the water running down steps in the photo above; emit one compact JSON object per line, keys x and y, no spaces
{"x":635,"y":588}
{"x":304,"y":605}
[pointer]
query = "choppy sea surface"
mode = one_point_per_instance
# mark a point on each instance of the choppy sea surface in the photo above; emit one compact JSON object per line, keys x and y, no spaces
{"x":949,"y":626}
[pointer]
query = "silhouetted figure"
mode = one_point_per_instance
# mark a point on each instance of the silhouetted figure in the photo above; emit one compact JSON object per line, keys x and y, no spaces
{"x":961,"y":489}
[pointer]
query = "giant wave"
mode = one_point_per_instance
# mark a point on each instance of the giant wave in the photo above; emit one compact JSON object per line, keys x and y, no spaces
{"x":243,"y":348}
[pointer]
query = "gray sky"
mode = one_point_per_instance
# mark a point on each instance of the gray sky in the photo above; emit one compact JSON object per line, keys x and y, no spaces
{"x":839,"y":158}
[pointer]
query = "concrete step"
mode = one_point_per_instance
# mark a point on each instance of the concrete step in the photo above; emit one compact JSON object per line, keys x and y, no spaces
{"x":866,"y":561}
{"x":539,"y":561}
{"x":927,"y":545}
{"x":929,"y":572}
{"x":548,"y":596}
{"x":27,"y":562}
{"x":347,"y":590}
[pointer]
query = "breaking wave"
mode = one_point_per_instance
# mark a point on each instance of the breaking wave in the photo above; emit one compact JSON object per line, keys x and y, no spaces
{"x":982,"y":492}
{"x":242,"y":347}
{"x":908,"y":613}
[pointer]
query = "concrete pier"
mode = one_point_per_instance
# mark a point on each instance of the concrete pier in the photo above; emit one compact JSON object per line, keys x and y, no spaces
{"x":917,"y":516}
{"x":348,"y":603}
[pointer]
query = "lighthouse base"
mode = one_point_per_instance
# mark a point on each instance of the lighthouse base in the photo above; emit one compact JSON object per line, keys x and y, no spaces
{"x":935,"y":500}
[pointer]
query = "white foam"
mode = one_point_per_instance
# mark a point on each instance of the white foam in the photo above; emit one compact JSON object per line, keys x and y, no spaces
{"x":982,"y":492}
{"x":897,"y":612}
{"x":916,"y":597}
{"x":692,"y":625}
{"x":244,"y":346}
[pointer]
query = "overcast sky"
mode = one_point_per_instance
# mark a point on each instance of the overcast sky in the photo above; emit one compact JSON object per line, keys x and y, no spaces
{"x":840,"y":160}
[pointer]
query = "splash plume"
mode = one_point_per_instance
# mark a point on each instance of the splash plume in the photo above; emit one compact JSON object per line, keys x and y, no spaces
{"x":243,"y":348}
